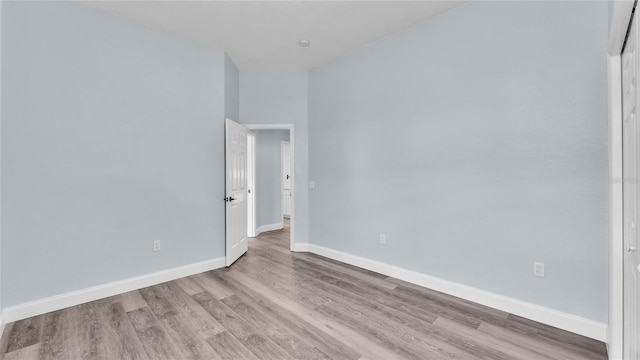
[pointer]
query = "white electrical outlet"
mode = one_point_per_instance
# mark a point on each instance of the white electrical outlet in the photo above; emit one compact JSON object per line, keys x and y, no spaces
{"x":156,"y":245}
{"x":383,"y":239}
{"x":538,"y":269}
{"x":312,"y":184}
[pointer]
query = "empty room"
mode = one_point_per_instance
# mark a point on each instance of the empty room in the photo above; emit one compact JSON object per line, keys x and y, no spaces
{"x":319,"y":180}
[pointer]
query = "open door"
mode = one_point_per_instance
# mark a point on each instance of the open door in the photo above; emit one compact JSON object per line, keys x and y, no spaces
{"x":631,"y":195}
{"x":236,"y":190}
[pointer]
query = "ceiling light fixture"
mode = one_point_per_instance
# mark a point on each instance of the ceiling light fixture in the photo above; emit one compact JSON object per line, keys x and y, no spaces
{"x":304,"y":43}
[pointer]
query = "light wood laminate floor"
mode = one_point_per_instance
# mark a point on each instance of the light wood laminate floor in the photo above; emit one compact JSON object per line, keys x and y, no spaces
{"x":273,"y":304}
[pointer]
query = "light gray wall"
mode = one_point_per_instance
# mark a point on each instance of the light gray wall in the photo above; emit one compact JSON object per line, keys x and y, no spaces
{"x":231,"y":90}
{"x":280,"y":97}
{"x":112,"y":137}
{"x":268,"y":176}
{"x":477,"y":142}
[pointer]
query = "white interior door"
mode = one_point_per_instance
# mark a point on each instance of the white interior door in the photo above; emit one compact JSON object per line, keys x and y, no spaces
{"x":236,"y":190}
{"x":631,"y":281}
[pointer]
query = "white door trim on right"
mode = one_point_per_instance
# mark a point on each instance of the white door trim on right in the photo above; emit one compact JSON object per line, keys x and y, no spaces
{"x":620,"y":20}
{"x":616,"y":291}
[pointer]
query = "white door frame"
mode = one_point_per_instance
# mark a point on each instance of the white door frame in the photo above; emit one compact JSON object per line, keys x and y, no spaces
{"x":620,"y":19}
{"x":253,"y":127}
{"x":251,"y":184}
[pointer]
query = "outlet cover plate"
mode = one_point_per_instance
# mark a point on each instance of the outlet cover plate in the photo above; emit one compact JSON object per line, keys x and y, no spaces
{"x":538,"y":269}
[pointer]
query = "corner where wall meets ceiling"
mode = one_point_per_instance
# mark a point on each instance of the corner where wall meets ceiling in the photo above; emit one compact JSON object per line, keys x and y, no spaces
{"x":265,"y":35}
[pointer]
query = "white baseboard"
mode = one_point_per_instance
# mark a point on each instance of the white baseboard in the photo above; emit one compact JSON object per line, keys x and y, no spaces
{"x":57,"y":302}
{"x":300,"y":247}
{"x":562,"y":320}
{"x":270,"y":227}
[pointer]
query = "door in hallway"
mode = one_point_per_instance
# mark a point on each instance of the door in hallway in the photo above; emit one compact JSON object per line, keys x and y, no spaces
{"x":236,"y":190}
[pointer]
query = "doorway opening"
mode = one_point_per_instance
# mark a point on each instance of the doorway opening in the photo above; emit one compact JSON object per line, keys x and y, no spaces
{"x":271,"y":174}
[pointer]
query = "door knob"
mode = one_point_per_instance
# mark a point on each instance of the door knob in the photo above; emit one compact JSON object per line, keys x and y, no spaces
{"x":229,"y":199}
{"x":631,"y":248}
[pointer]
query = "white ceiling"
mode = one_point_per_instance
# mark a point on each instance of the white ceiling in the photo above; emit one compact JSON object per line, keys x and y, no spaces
{"x":264,"y":35}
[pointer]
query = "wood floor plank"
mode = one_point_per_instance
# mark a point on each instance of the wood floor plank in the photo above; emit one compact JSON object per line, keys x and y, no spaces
{"x":229,"y":347}
{"x":187,"y":340}
{"x":4,"y":340}
{"x":189,"y":285}
{"x":483,"y":313}
{"x":131,"y":300}
{"x":92,"y":329}
{"x":493,"y":348}
{"x":128,"y":345}
{"x":388,"y":339}
{"x":240,"y":329}
{"x":105,"y":332}
{"x":423,"y":310}
{"x":26,"y":353}
{"x":352,"y":267}
{"x":190,"y":312}
{"x":61,"y":337}
{"x":289,"y":341}
{"x":279,"y":249}
{"x":449,"y":344}
{"x":465,"y":305}
{"x":185,"y":321}
{"x":213,"y":286}
{"x":326,"y":344}
{"x":388,"y":304}
{"x":374,"y":280}
{"x":155,"y":341}
{"x":384,"y":295}
{"x":527,"y":342}
{"x":25,"y":333}
{"x":281,"y":281}
{"x":357,"y":341}
{"x":556,"y":335}
{"x":391,"y":320}
{"x":160,"y":306}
